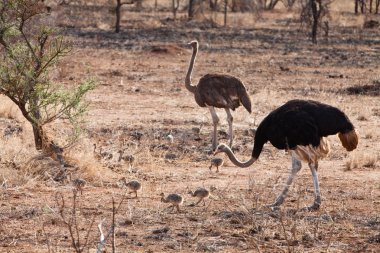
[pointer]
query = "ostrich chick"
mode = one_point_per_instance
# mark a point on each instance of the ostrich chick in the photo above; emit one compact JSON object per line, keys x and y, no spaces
{"x":201,"y":194}
{"x":79,"y":184}
{"x":130,"y":159}
{"x":133,"y":186}
{"x":174,"y":199}
{"x":217,"y":162}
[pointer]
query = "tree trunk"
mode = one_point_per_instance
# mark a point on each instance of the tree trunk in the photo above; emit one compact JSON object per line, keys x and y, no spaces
{"x":271,"y":5}
{"x":370,"y":6}
{"x":213,"y":4}
{"x":38,"y":133}
{"x":356,"y":6}
{"x":118,"y":8}
{"x":225,"y":12}
{"x":191,"y":9}
{"x":175,"y":5}
{"x":36,"y":115}
{"x":377,"y":7}
{"x":327,"y":28}
{"x":362,"y":6}
{"x":315,"y":21}
{"x":290,"y":4}
{"x":139,"y":5}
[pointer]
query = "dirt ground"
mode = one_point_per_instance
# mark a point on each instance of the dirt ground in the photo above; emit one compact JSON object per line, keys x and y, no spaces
{"x":140,"y":105}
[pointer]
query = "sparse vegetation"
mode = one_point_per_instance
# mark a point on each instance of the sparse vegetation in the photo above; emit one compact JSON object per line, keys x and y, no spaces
{"x":361,"y":160}
{"x":140,"y":101}
{"x":29,"y":50}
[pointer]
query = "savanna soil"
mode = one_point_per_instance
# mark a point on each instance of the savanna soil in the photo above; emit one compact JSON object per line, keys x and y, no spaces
{"x":140,"y":101}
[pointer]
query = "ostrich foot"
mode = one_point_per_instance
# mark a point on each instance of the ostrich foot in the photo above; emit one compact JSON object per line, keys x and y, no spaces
{"x":273,"y":207}
{"x":277,"y":203}
{"x":314,"y":207}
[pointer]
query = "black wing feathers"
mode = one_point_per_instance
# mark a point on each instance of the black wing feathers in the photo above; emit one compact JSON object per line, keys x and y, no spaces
{"x":300,"y":122}
{"x":292,"y":128}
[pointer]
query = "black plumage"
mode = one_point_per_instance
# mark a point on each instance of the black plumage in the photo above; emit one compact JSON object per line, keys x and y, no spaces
{"x":300,"y":126}
{"x":302,"y":122}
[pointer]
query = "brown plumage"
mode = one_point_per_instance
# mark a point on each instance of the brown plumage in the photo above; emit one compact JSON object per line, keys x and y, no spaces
{"x":220,"y":91}
{"x":217,"y":162}
{"x":133,"y":185}
{"x":174,"y":199}
{"x":79,"y":184}
{"x":201,"y":194}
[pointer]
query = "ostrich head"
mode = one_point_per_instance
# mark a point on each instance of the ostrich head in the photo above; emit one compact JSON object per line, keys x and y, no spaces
{"x":221,"y":148}
{"x":123,"y":180}
{"x":194,"y":44}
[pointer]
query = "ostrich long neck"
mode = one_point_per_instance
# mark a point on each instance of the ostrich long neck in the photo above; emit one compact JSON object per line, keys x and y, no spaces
{"x":188,"y":85}
{"x":238,"y":163}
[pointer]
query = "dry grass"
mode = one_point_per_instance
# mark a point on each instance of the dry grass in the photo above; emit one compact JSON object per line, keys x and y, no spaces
{"x":9,"y":110}
{"x":359,"y":160}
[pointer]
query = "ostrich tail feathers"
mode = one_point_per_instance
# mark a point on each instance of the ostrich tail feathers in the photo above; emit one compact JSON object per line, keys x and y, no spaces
{"x":310,"y":153}
{"x":349,"y":140}
{"x":245,"y":100}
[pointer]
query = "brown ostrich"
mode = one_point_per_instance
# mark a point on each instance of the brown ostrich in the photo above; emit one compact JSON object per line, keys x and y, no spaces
{"x":220,"y":91}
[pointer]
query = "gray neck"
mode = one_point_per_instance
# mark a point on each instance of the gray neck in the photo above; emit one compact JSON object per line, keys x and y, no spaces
{"x":188,"y":85}
{"x":238,"y":163}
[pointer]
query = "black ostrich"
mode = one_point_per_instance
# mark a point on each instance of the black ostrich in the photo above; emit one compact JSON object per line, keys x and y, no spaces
{"x":300,"y":126}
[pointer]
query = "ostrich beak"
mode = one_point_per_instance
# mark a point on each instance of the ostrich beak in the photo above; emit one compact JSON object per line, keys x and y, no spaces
{"x":192,"y":42}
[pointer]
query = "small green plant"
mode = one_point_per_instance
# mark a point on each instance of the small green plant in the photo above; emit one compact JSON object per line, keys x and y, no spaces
{"x":29,"y":51}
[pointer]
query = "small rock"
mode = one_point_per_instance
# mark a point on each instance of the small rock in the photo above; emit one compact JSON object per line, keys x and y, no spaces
{"x":170,"y":156}
{"x":163,"y":230}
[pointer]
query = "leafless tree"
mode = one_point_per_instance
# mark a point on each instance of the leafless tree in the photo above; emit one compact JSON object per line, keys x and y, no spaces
{"x":119,"y":4}
{"x":69,"y":216}
{"x":289,"y":3}
{"x":362,"y":6}
{"x":314,"y":15}
{"x":376,"y":9}
{"x":191,"y":9}
{"x":225,"y":12}
{"x":175,"y":6}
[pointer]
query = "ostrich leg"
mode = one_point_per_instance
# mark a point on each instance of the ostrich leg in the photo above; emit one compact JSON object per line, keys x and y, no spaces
{"x":296,"y":166}
{"x":215,"y":121}
{"x":230,"y":120}
{"x":198,"y":201}
{"x":317,"y":194}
